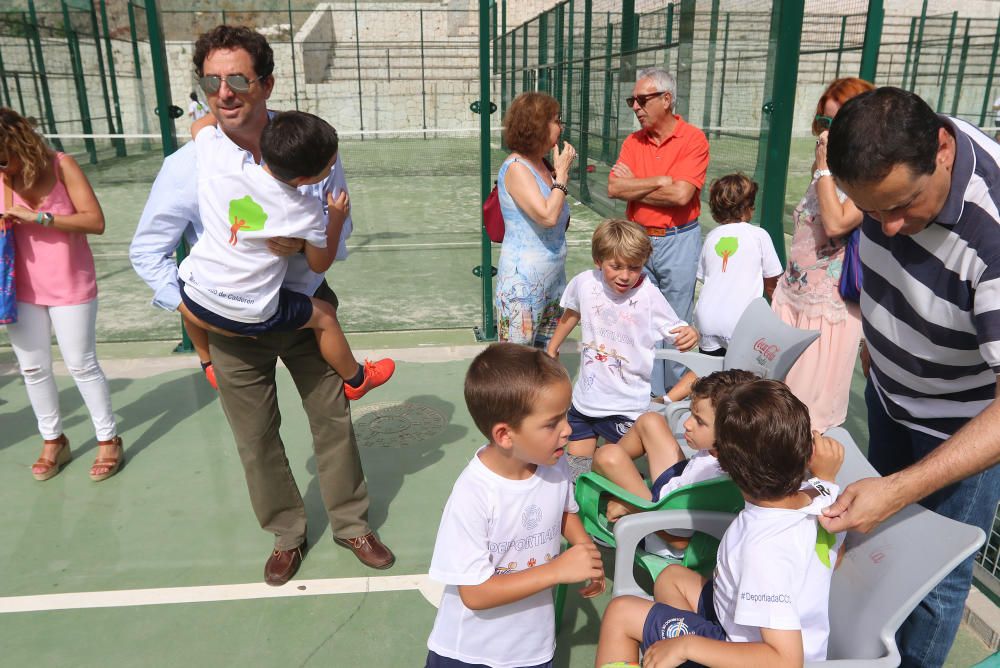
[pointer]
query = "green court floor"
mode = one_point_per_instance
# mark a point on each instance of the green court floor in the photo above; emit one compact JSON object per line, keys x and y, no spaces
{"x":176,"y":524}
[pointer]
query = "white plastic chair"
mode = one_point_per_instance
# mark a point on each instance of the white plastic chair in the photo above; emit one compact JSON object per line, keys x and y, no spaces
{"x":881,"y":579}
{"x":761,"y":343}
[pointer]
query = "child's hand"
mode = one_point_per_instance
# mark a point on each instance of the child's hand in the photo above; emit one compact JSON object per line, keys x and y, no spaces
{"x":578,"y":563}
{"x":685,"y":337}
{"x":665,"y":653}
{"x":594,"y":587}
{"x":827,"y":457}
{"x":341,"y":205}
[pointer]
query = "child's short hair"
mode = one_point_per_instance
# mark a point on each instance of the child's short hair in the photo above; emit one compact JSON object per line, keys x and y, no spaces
{"x":297,"y":145}
{"x":763,"y":439}
{"x":623,"y":239}
{"x":732,"y":198}
{"x":716,"y":386}
{"x":503,"y":382}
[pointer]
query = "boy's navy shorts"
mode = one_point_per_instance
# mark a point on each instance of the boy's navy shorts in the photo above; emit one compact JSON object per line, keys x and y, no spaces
{"x":666,"y":477}
{"x":610,"y":427}
{"x":438,"y":661}
{"x":665,"y":621}
{"x":294,"y":311}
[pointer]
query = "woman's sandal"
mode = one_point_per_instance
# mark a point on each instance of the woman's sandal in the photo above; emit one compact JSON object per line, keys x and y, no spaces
{"x":111,"y":464}
{"x":45,"y":468}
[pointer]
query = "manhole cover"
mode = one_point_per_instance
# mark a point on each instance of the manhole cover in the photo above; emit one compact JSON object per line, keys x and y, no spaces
{"x":393,"y":425}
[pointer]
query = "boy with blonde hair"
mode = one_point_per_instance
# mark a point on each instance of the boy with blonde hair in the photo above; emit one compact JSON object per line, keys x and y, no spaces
{"x":622,"y":317}
{"x":497,"y":548}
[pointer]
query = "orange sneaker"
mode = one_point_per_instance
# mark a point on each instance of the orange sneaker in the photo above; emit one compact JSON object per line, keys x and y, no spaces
{"x":209,"y":370}
{"x":376,"y":373}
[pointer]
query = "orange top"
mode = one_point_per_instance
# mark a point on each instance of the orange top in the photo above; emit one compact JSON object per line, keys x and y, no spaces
{"x":683,"y":156}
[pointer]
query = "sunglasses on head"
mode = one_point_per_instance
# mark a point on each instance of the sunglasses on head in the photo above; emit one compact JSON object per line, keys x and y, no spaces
{"x":824,"y":121}
{"x":643,"y":99}
{"x":237,"y":83}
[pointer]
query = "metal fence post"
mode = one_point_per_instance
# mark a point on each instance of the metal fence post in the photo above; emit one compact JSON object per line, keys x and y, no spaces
{"x":489,"y":331}
{"x":713,"y":32}
{"x":3,"y":82}
{"x":987,"y":98}
{"x":291,"y":40}
{"x":909,"y":52}
{"x":588,"y":23}
{"x":943,"y":83}
{"x":920,"y":46}
{"x":570,"y":44}
{"x":873,"y":40}
{"x":669,"y":37}
{"x":608,"y":85}
{"x":722,"y":86}
{"x":161,"y":81}
{"x":963,"y":58}
{"x":50,"y":117}
{"x":840,"y":46}
{"x":357,"y":56}
{"x":81,"y":87}
{"x":786,"y":36}
{"x":120,"y":145}
{"x":558,"y":57}
{"x":685,"y":56}
{"x":543,"y":53}
{"x":137,"y":62}
{"x":423,"y":75}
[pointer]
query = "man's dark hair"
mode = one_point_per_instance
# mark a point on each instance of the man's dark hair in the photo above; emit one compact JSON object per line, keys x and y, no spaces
{"x":875,"y":131}
{"x":763,"y":439}
{"x":235,"y":37}
{"x":503,"y":383}
{"x":296,"y":144}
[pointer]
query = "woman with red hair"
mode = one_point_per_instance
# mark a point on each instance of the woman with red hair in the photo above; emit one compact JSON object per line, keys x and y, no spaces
{"x":808,"y":293}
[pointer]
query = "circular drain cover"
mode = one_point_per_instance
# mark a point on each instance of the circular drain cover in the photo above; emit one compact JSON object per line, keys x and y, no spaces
{"x":394,"y":425}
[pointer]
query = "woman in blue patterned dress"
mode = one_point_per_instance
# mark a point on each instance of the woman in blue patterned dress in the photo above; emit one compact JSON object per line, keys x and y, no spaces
{"x":532,"y":272}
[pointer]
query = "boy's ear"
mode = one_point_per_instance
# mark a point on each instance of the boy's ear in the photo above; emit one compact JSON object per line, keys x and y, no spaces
{"x":502,"y":435}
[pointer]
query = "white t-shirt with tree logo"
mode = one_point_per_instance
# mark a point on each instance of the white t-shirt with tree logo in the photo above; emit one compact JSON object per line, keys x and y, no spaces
{"x":735,"y":260}
{"x":231,"y":271}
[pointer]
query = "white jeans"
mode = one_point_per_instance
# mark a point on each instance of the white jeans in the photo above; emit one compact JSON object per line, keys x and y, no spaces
{"x":74,"y":327}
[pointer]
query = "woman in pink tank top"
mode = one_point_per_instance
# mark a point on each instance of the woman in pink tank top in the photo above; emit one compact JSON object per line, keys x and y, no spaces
{"x":54,"y":208}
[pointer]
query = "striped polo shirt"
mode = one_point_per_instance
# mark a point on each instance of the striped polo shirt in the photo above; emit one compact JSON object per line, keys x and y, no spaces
{"x":930,"y":302}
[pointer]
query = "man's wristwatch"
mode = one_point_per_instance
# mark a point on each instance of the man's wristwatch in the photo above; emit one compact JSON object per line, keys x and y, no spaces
{"x":44,"y":218}
{"x":820,"y":173}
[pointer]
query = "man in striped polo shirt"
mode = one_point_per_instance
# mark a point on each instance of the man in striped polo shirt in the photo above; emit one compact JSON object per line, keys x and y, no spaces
{"x":929,"y":186}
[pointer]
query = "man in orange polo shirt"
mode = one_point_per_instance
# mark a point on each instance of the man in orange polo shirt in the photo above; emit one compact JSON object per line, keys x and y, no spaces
{"x":660,"y":172}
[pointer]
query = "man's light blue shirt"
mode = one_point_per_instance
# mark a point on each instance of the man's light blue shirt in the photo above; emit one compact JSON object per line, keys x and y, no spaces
{"x":171,"y":212}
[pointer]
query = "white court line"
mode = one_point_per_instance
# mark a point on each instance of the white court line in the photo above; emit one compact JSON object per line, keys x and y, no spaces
{"x":213,"y":593}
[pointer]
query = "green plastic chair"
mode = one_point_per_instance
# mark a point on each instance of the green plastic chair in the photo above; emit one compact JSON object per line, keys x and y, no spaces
{"x":593,"y":492}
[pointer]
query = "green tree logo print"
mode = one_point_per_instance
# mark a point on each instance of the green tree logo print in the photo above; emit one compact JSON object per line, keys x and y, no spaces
{"x":726,"y":248}
{"x":245,"y":214}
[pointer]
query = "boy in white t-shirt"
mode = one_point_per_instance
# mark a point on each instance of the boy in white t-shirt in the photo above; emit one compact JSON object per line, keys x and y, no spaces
{"x":622,"y":317}
{"x":668,"y":468}
{"x":231,"y":281}
{"x":497,"y":548}
{"x":738,"y":263}
{"x":767,"y":601}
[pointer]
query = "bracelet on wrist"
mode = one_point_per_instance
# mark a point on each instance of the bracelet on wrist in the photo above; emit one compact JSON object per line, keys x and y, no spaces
{"x":560,"y":186}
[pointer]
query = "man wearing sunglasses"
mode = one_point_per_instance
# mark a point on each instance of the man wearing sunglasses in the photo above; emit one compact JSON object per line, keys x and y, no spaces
{"x":660,"y":172}
{"x":234,"y":66}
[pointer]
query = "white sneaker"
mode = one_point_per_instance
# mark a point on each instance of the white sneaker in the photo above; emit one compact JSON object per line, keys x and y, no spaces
{"x":656,"y":545}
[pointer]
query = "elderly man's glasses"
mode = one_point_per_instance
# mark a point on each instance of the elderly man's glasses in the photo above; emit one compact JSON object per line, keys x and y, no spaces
{"x":643,"y":99}
{"x":237,"y":83}
{"x":824,"y":121}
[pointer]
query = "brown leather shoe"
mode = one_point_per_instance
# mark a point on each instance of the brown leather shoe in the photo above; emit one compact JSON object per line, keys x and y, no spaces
{"x":282,"y":565}
{"x":369,"y":550}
